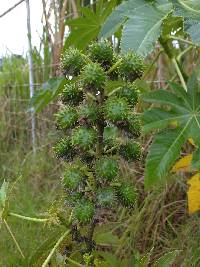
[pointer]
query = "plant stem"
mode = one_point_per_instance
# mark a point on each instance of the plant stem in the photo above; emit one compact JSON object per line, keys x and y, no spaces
{"x":14,"y":239}
{"x":184,"y":52}
{"x":153,"y":62}
{"x":114,"y":66}
{"x":54,"y":248}
{"x":182,"y":40}
{"x":73,"y":262}
{"x":179,"y":74}
{"x":28,"y":218}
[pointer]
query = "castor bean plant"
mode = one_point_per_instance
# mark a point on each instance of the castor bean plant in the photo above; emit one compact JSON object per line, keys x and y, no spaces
{"x":100,"y":130}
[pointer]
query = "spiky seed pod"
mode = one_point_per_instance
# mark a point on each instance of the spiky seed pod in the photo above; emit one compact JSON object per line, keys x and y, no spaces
{"x":72,"y":62}
{"x":102,"y":53}
{"x":110,"y":132}
{"x":130,"y":151}
{"x":93,"y":77}
{"x":72,"y":177}
{"x":67,"y":117}
{"x":73,"y":197}
{"x":88,"y":114}
{"x":71,"y":94}
{"x":106,"y":168}
{"x":84,"y":137}
{"x":116,"y":109}
{"x":106,"y":197}
{"x":130,"y":92}
{"x":134,"y":125}
{"x":131,"y":67}
{"x":64,"y":148}
{"x":126,"y":194}
{"x":84,"y":211}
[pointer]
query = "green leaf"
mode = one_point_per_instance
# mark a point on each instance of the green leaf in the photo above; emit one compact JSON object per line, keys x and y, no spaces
{"x":85,"y":29}
{"x":190,"y":10}
{"x":163,"y":152}
{"x":144,"y":23}
{"x":158,"y":119}
{"x":48,"y":93}
{"x":165,"y":98}
{"x":42,"y":250}
{"x":182,"y":111}
{"x":192,"y":27}
{"x":119,"y":16}
{"x":3,"y":198}
{"x":110,"y":258}
{"x":106,"y":239}
{"x":167,"y":259}
{"x":139,"y":18}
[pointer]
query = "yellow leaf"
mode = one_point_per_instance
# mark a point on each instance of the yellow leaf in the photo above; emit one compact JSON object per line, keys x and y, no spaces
{"x":183,"y":164}
{"x":191,"y":141}
{"x":194,"y":193}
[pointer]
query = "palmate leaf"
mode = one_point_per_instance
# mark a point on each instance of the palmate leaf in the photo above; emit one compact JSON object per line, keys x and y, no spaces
{"x":141,"y":21}
{"x":142,"y":30}
{"x":85,"y":29}
{"x":179,"y":112}
{"x":190,"y":10}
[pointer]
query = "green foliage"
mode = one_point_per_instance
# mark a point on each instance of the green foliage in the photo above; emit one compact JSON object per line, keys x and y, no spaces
{"x":49,"y":91}
{"x":92,"y":181}
{"x":84,"y":137}
{"x":106,"y":168}
{"x":93,"y":77}
{"x":3,"y":198}
{"x":85,"y":29}
{"x":183,"y":110}
{"x":143,"y":22}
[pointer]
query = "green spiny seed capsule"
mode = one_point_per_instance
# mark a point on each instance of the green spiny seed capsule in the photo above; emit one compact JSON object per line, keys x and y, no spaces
{"x":73,"y":197}
{"x":64,"y":148}
{"x":106,"y":168}
{"x":72,"y":62}
{"x":127,"y":195}
{"x":134,"y":125}
{"x":131,"y":67}
{"x":93,"y":77}
{"x":102,"y":53}
{"x":84,"y":211}
{"x":71,"y":94}
{"x":106,"y":197}
{"x":72,"y":177}
{"x":130,"y":92}
{"x":131,"y":150}
{"x":88,"y":114}
{"x":116,"y":109}
{"x":67,"y":117}
{"x":84,"y":137}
